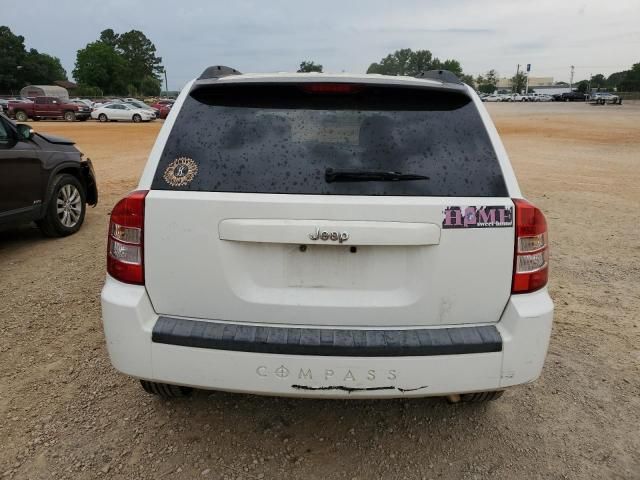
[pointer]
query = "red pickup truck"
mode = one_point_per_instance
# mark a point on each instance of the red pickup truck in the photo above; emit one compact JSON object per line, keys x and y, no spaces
{"x":47,"y":107}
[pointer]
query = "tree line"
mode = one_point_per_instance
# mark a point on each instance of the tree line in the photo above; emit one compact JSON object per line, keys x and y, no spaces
{"x":127,"y":64}
{"x":115,"y":64}
{"x":19,"y":66}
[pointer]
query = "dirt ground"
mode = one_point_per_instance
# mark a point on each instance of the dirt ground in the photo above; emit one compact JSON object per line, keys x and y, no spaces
{"x":66,"y":413}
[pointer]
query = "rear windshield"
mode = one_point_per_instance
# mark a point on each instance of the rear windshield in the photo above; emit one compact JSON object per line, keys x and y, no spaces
{"x":283,"y":139}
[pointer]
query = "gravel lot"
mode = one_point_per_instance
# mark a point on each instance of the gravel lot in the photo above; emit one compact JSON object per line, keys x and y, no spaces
{"x":66,"y":413}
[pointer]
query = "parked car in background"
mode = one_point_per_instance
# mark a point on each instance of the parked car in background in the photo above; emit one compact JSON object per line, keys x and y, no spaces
{"x":541,"y":97}
{"x":44,"y":179}
{"x":492,"y":98}
{"x":573,"y":97}
{"x":313,"y":260}
{"x":48,"y":107}
{"x":83,"y":101}
{"x":163,"y":106}
{"x":142,"y":105}
{"x":601,"y":98}
{"x":122,"y":112}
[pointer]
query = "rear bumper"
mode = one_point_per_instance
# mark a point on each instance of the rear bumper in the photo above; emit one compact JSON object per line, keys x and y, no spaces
{"x":129,"y":322}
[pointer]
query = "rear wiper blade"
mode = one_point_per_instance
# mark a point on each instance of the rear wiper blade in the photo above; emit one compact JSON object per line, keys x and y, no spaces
{"x":331,"y":175}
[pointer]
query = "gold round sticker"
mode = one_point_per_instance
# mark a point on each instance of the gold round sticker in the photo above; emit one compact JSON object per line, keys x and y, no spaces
{"x":181,"y":172}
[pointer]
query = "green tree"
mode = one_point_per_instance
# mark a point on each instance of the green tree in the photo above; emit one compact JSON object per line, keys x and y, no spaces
{"x":84,"y":91}
{"x":631,"y":82}
{"x":598,"y":81}
{"x":307,"y":66}
{"x":486,"y":88}
{"x":420,"y":61}
{"x":100,"y":65}
{"x":488,"y":82}
{"x":492,"y":77}
{"x":109,"y":37}
{"x":42,"y":69}
{"x":120,"y":64}
{"x":615,"y":79}
{"x":19,"y":66}
{"x":453,"y":66}
{"x":12,"y":54}
{"x":150,"y":87}
{"x":407,"y":62}
{"x":468,"y":79}
{"x":518,"y":82}
{"x":582,"y":86}
{"x":139,"y":54}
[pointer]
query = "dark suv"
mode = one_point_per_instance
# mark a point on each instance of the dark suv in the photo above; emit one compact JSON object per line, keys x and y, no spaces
{"x":43,"y":178}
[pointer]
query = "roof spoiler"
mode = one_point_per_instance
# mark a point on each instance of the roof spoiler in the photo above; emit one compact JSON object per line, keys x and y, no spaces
{"x":444,"y":76}
{"x":217,"y":71}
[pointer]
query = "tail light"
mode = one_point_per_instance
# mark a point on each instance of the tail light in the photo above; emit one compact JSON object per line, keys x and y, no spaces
{"x":331,"y":88}
{"x":125,"y":247}
{"x":531,"y":259}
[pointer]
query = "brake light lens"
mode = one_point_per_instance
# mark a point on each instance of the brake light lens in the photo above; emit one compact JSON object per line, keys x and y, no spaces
{"x":331,"y":88}
{"x":531,"y":263}
{"x":125,"y":248}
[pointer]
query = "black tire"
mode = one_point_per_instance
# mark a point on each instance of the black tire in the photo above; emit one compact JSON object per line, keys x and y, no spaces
{"x":103,"y":118}
{"x":137,"y":118}
{"x":21,"y":116}
{"x":64,"y":218}
{"x":69,"y":116}
{"x":479,"y":397}
{"x":164,"y":390}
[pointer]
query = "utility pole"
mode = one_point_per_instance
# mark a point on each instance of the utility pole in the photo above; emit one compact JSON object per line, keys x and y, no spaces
{"x":166,"y":83}
{"x":571,"y":80}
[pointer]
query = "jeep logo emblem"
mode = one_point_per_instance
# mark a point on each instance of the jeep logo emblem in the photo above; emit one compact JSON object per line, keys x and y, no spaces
{"x":333,"y":236}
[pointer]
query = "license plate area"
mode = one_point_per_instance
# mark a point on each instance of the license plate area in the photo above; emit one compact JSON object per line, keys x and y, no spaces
{"x":345,"y":267}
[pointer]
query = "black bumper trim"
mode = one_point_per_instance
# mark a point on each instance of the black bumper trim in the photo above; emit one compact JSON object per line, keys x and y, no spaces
{"x":327,"y":342}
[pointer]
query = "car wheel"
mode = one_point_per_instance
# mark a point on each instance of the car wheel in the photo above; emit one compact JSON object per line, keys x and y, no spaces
{"x":21,"y":116}
{"x":66,"y":207}
{"x":165,"y":390}
{"x":137,"y":118}
{"x":102,"y":117}
{"x":70,"y":116}
{"x":477,"y":397}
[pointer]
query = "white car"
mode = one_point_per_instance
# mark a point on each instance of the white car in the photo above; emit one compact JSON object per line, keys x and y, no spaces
{"x":492,"y":98}
{"x":330,"y":236}
{"x":122,"y":112}
{"x":541,"y":97}
{"x":142,"y":105}
{"x":602,"y":98}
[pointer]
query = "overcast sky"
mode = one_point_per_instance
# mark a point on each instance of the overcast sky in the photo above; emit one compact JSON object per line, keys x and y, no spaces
{"x":345,"y":35}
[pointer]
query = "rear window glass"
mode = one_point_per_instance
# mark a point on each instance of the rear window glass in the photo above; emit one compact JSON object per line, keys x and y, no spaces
{"x":283,"y":139}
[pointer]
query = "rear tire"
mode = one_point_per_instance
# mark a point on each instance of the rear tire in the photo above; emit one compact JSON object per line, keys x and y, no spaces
{"x":21,"y":116}
{"x":165,"y":390}
{"x":103,"y":118}
{"x":66,"y":207}
{"x":137,"y":118}
{"x":476,"y":397}
{"x":69,"y":116}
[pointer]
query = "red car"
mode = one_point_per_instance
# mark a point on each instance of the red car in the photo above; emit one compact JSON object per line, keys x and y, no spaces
{"x":163,"y":106}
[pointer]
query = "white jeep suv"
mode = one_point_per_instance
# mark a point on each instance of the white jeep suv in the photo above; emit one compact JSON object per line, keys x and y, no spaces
{"x":328,"y":235}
